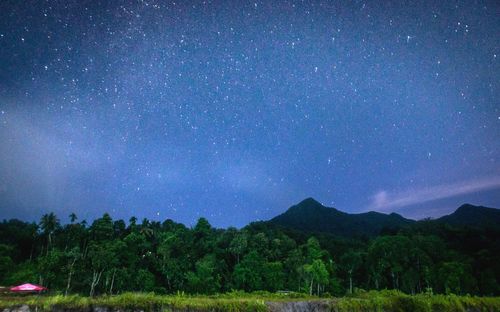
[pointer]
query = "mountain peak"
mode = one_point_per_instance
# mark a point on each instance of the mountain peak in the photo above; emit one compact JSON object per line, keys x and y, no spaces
{"x":310,"y":202}
{"x":473,"y":209}
{"x":466,"y":206}
{"x":310,"y":215}
{"x":396,"y":215}
{"x":472,"y":215}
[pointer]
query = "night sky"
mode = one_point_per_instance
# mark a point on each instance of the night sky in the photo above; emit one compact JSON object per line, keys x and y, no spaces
{"x":237,"y":110}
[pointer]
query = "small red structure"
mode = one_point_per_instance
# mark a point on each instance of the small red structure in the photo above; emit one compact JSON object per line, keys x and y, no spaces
{"x":24,"y":288}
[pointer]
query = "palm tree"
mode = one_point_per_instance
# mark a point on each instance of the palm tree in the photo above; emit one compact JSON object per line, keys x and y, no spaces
{"x":146,"y":231}
{"x":49,"y":223}
{"x":132,"y":224}
{"x":72,"y":217}
{"x":145,"y":228}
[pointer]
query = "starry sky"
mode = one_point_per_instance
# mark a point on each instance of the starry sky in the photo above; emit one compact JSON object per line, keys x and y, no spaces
{"x":236,"y":110}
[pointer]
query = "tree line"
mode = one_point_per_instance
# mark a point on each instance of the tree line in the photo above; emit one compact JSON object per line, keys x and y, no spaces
{"x":110,"y":257}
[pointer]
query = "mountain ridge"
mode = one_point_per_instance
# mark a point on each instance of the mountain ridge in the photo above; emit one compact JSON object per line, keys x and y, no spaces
{"x":471,"y":215}
{"x":309,"y":215}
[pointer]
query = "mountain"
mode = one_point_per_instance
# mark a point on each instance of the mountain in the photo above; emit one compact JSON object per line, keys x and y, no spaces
{"x":311,"y":216}
{"x":470,"y":215}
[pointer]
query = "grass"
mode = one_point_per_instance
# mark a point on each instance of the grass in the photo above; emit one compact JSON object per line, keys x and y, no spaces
{"x":239,"y":301}
{"x":390,"y":300}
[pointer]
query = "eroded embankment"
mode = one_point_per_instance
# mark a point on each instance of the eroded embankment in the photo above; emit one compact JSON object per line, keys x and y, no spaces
{"x":295,"y":306}
{"x":300,"y":306}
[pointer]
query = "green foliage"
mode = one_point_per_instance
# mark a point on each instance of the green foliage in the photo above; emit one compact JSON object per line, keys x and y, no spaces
{"x":454,"y":277}
{"x":49,"y":265}
{"x":397,"y":301}
{"x":316,"y":274}
{"x":205,"y":279}
{"x":248,"y":273}
{"x":26,"y":271}
{"x":6,"y":262}
{"x":273,"y":276}
{"x":109,"y":258}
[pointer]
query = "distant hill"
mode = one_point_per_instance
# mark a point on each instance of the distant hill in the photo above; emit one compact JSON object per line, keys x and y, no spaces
{"x":311,"y":216}
{"x":470,"y":215}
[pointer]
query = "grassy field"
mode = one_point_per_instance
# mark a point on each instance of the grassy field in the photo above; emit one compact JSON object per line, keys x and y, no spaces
{"x":261,"y":301}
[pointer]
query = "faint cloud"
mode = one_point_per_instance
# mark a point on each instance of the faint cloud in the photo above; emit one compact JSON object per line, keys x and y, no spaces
{"x":380,"y":199}
{"x":384,"y":201}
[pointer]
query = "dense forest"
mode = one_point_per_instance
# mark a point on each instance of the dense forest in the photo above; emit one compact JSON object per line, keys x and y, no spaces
{"x":111,"y":256}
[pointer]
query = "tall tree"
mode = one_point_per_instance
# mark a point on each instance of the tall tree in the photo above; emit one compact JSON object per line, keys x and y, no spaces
{"x":350,"y":262}
{"x":49,"y":223}
{"x":72,"y":217}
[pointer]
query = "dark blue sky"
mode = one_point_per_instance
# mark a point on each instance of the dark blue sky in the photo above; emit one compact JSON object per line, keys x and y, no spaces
{"x":237,"y":110}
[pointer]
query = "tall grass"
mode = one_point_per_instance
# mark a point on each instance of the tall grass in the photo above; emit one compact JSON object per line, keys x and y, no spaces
{"x":239,"y":301}
{"x":397,"y":301}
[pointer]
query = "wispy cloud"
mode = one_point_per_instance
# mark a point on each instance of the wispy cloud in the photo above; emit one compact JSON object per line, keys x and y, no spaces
{"x":385,"y":201}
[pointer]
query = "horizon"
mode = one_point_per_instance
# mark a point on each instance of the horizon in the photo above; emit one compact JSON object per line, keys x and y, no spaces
{"x":233,"y":111}
{"x":63,"y":221}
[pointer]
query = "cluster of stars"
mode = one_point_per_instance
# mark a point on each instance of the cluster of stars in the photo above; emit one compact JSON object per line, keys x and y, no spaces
{"x":189,"y":110}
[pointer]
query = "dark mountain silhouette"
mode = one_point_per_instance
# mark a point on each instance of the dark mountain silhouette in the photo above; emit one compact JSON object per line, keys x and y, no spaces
{"x":470,"y":215}
{"x":311,"y":216}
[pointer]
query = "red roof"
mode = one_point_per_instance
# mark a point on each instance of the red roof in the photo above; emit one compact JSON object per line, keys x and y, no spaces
{"x":28,"y":287}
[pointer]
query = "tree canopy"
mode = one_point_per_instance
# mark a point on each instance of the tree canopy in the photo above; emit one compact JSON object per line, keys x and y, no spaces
{"x":110,"y":257}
